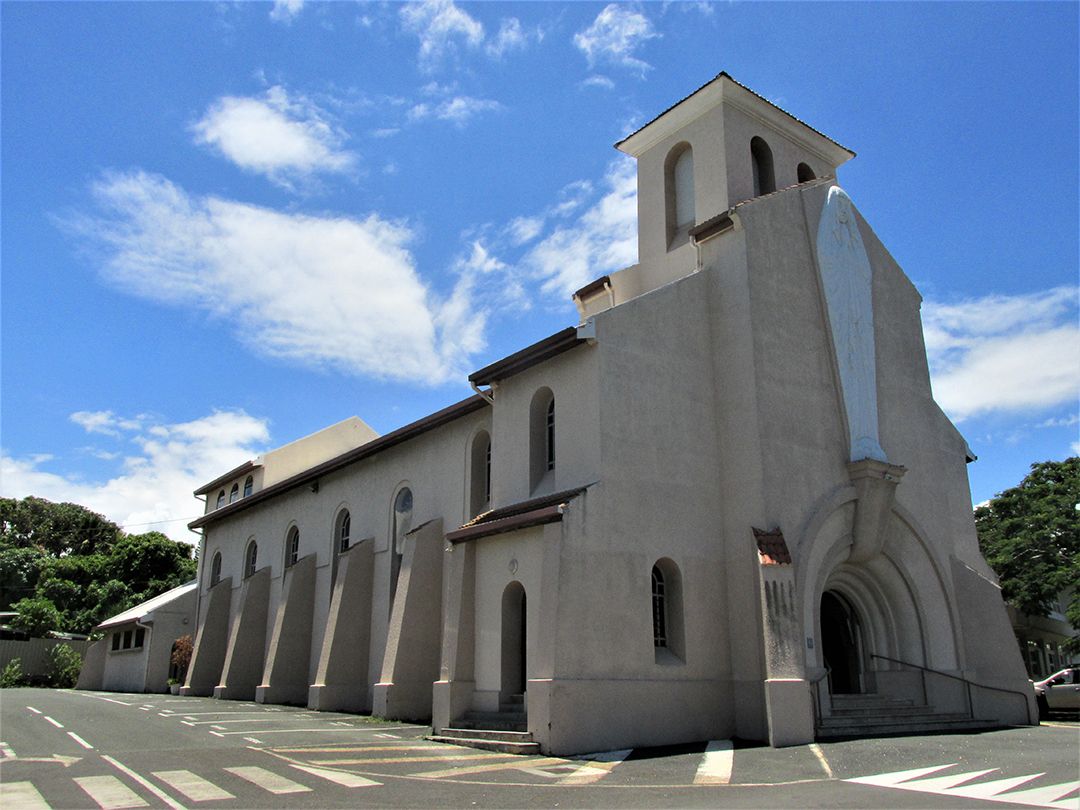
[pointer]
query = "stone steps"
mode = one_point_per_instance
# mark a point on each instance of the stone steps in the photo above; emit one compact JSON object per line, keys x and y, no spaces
{"x":505,"y":742}
{"x":876,"y":716}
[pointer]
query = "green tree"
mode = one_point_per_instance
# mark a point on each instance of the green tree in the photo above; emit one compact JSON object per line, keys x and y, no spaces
{"x":37,"y":616}
{"x":1030,"y":535}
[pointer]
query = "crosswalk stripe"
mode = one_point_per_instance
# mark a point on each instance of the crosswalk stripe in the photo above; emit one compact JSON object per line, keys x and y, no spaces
{"x":595,"y":767}
{"x":716,"y":763}
{"x":448,"y":757}
{"x":355,"y":749}
{"x":268,"y":780}
{"x":21,"y":796}
{"x":193,"y":786}
{"x":109,"y":793}
{"x":1049,"y":796}
{"x":501,"y":766}
{"x":998,"y":790}
{"x":952,"y":780}
{"x":343,"y":778}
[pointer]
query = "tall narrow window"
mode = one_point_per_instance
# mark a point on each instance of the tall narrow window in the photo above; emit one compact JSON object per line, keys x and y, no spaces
{"x":344,"y":531}
{"x":249,"y":484}
{"x":667,"y":612}
{"x":762,"y":160}
{"x":479,"y":473}
{"x":403,"y":511}
{"x":234,"y":493}
{"x":542,"y":441}
{"x":292,"y":547}
{"x":805,"y":173}
{"x":221,"y":499}
{"x":549,"y":432}
{"x":659,"y":609}
{"x":215,"y":569}
{"x":251,"y":558}
{"x":140,"y":636}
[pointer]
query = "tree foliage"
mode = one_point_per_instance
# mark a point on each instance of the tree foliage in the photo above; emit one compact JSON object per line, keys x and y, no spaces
{"x":1030,"y":535}
{"x":71,"y":568}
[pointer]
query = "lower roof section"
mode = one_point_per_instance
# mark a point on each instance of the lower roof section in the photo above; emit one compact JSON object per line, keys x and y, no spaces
{"x":521,"y":515}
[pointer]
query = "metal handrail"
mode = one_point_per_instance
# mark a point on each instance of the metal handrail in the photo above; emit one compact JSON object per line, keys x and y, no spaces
{"x":818,"y":711}
{"x":965,"y":681}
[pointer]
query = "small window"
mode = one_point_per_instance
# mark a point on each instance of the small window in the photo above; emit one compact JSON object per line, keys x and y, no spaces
{"x":221,"y":499}
{"x":659,"y":608}
{"x":549,"y":431}
{"x":487,"y":472}
{"x":292,"y":546}
{"x":127,"y":640}
{"x":251,"y":558}
{"x":140,"y":636}
{"x":215,"y":569}
{"x":116,"y":641}
{"x":344,"y":532}
{"x":762,"y":160}
{"x":234,"y":493}
{"x":805,"y":173}
{"x":249,"y":483}
{"x":480,"y":473}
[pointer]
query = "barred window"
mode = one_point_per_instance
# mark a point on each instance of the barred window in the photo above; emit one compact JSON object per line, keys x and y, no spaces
{"x":659,"y":608}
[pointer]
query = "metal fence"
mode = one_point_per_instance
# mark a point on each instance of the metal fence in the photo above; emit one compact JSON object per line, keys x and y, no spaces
{"x":33,"y":654}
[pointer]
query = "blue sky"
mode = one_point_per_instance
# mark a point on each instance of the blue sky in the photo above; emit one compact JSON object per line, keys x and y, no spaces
{"x":227,"y":225}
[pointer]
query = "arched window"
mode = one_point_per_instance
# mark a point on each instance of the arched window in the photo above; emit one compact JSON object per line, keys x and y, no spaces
{"x":344,"y":532}
{"x":234,"y":493}
{"x":480,"y":473}
{"x":220,"y":499}
{"x":667,"y":612}
{"x":541,"y":439}
{"x":403,"y":511}
{"x":659,"y":608}
{"x":805,"y":173}
{"x":761,"y":157}
{"x":215,"y":569}
{"x":249,"y":484}
{"x":292,"y":546}
{"x":679,"y":189}
{"x":251,"y":558}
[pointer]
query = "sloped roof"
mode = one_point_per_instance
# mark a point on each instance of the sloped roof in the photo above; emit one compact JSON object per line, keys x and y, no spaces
{"x":149,"y":606}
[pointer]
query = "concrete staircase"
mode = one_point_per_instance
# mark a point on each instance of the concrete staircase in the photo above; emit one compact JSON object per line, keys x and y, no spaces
{"x":878,"y":716}
{"x":505,"y":731}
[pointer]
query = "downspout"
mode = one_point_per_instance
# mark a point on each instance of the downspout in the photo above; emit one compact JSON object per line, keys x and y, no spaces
{"x":198,"y":591}
{"x":147,"y":640}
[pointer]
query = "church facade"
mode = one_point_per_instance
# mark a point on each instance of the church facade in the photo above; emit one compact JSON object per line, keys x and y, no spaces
{"x":723,"y":504}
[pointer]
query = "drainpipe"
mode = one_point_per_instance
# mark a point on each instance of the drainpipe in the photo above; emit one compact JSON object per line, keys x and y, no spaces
{"x":148,"y":636}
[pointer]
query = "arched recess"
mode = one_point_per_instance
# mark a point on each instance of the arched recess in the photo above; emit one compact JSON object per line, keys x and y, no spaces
{"x":899,"y":597}
{"x":251,"y":557}
{"x":679,"y":198}
{"x":341,"y":539}
{"x":762,"y":161}
{"x":479,"y":473}
{"x":514,"y":640}
{"x":400,"y":524}
{"x":542,"y":444}
{"x":292,"y":545}
{"x":667,"y":612}
{"x":215,"y":569}
{"x":805,"y":173}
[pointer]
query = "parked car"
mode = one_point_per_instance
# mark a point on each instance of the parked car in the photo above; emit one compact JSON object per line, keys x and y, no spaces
{"x":1059,"y":693}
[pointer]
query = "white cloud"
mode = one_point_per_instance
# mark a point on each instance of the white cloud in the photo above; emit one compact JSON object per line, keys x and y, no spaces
{"x":602,"y":240}
{"x":106,"y":422}
{"x":457,"y":110}
{"x":614,"y":35}
{"x":596,"y":80}
{"x":326,"y":292}
{"x":285,"y":138}
{"x":285,"y":11}
{"x":510,"y":37}
{"x":524,"y":229}
{"x":440,"y":26}
{"x":1004,"y":353}
{"x":152,"y":488}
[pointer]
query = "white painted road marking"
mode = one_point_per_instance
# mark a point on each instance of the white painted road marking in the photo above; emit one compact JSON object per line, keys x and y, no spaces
{"x":35,"y":711}
{"x":999,"y":790}
{"x":595,"y":767}
{"x":146,"y":783}
{"x":79,"y":740}
{"x":253,"y":740}
{"x":716,"y":763}
{"x":21,"y":796}
{"x":193,"y":786}
{"x":54,"y":722}
{"x":268,"y":780}
{"x":815,"y":749}
{"x":6,"y":750}
{"x":343,"y":778}
{"x":109,"y":793}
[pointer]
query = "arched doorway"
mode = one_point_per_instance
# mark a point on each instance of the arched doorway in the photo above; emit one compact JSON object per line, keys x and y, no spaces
{"x":841,"y":644}
{"x":513,"y":641}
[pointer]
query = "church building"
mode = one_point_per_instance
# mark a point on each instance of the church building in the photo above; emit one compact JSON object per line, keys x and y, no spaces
{"x":722,"y":504}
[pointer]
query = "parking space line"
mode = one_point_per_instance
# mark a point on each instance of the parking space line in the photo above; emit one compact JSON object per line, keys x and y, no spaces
{"x":436,"y":758}
{"x":815,"y":749}
{"x":54,"y":722}
{"x":79,"y":740}
{"x":343,"y":778}
{"x":501,"y":766}
{"x":35,"y":711}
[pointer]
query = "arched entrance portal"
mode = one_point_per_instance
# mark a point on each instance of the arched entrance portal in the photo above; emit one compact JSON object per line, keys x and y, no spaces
{"x":513,"y":640}
{"x":841,"y":644}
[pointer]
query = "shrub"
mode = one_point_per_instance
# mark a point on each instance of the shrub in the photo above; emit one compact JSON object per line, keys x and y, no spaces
{"x":64,"y":666}
{"x":181,"y":656}
{"x":12,"y":675}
